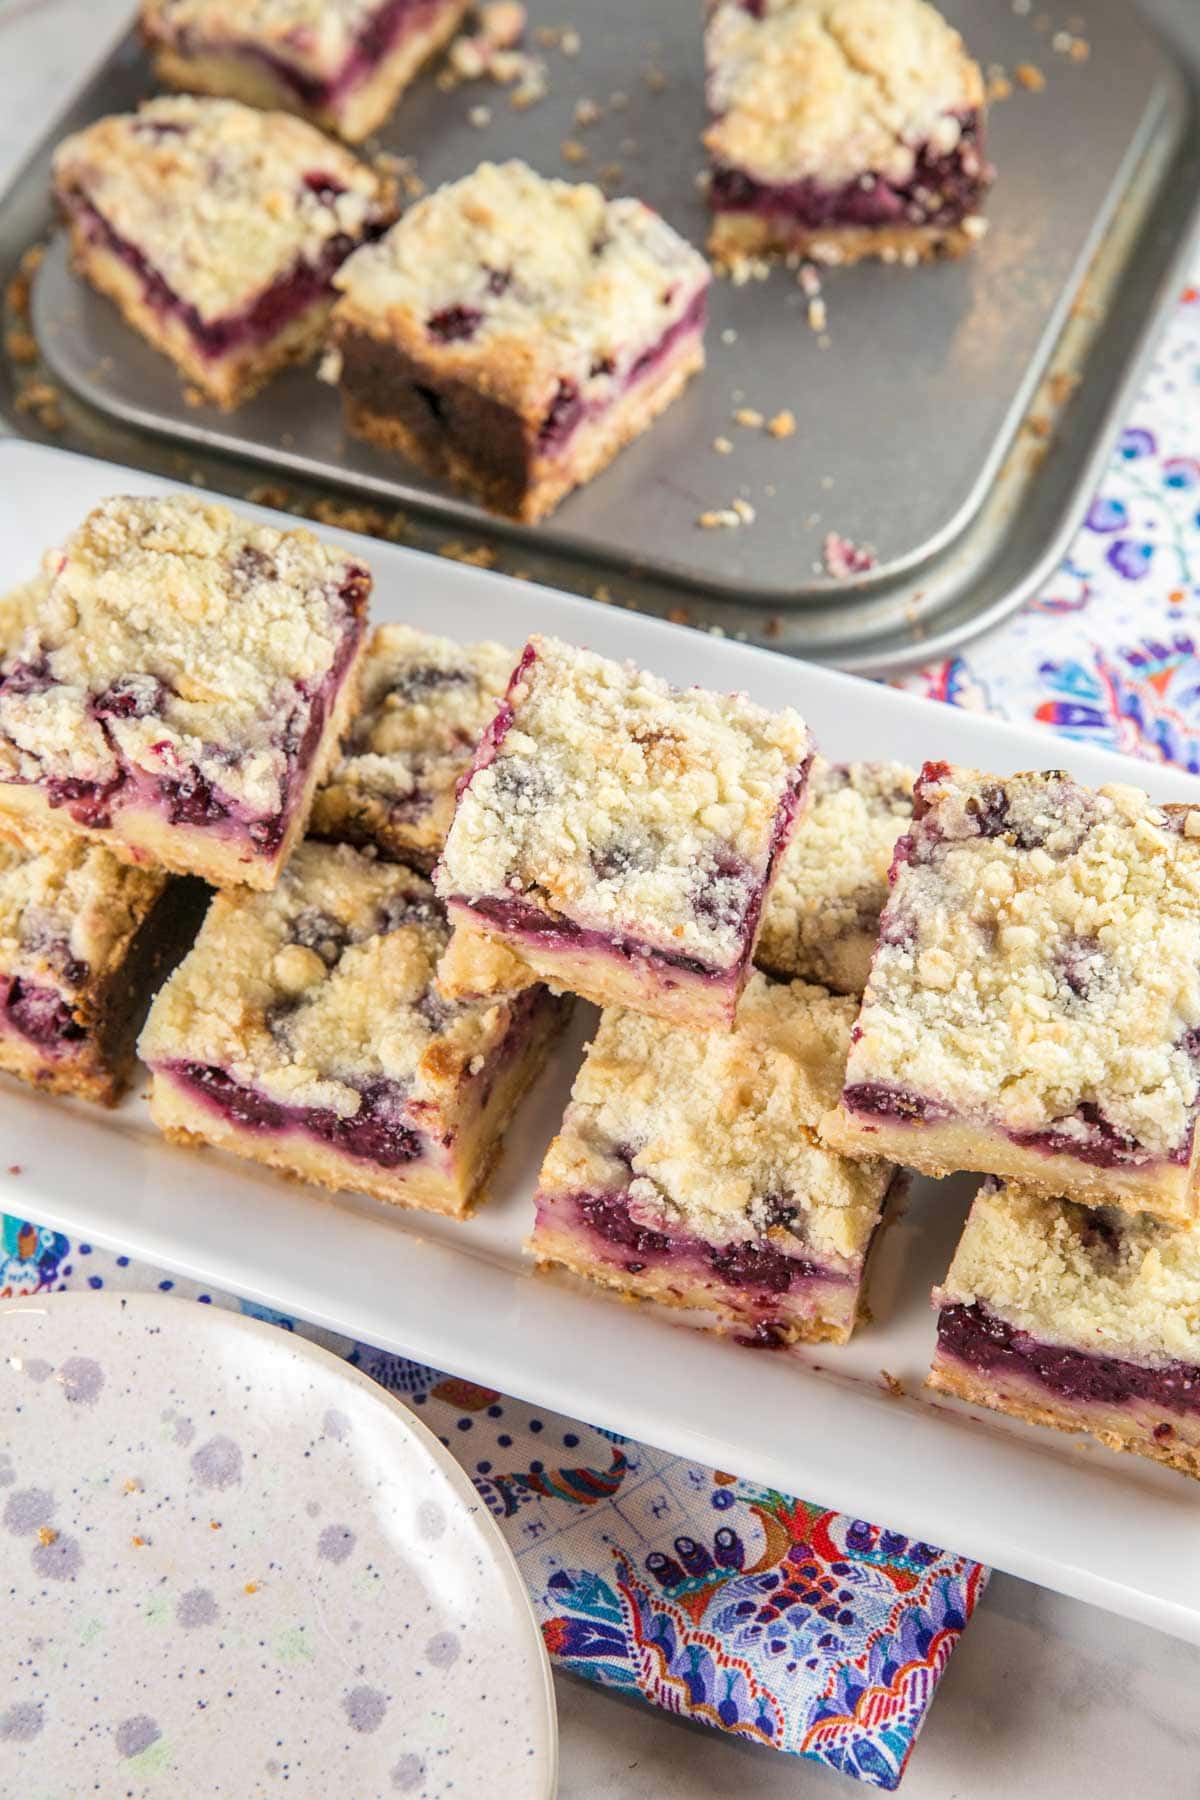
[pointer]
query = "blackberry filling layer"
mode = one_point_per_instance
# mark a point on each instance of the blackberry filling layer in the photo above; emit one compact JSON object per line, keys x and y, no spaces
{"x":39,"y":1014}
{"x":979,"y":1338}
{"x":757,"y":1267}
{"x":285,"y":299}
{"x":944,"y":188}
{"x":378,"y":1133}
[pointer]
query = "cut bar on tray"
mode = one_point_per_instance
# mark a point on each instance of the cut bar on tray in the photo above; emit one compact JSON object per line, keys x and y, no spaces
{"x":182,"y":686}
{"x":689,"y":1171}
{"x":425,"y":704}
{"x":617,"y":837}
{"x":84,"y":940}
{"x":1084,"y":1320}
{"x":303,"y":1031}
{"x":217,"y":230}
{"x":842,"y":129}
{"x":512,"y":333}
{"x":1033,"y":1010}
{"x":821,"y":920}
{"x":341,"y":63}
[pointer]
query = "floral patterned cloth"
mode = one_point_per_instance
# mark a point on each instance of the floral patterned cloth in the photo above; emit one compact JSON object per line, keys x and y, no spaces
{"x":759,"y":1614}
{"x":764,"y":1616}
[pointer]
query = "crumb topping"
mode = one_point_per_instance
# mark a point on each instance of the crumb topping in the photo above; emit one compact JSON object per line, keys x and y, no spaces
{"x":714,"y":1133}
{"x":68,"y":912}
{"x":821,"y":919}
{"x":18,"y":610}
{"x":315,"y":35}
{"x":518,"y":283}
{"x":1039,"y":960}
{"x":221,"y":200}
{"x":605,"y":795}
{"x":314,"y":990}
{"x":425,"y":703}
{"x":176,"y":638}
{"x":1110,"y":1282}
{"x":834,"y":89}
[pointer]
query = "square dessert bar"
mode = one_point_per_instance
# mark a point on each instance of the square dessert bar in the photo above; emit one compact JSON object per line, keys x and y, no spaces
{"x":425,"y":704}
{"x":182,"y":687}
{"x":341,"y":63}
{"x":688,"y":1169}
{"x":821,"y":920}
{"x":513,"y":333}
{"x":617,"y":837}
{"x":84,"y":940}
{"x":842,"y":129}
{"x":217,"y":231}
{"x":304,"y":1031}
{"x":1033,"y":1010}
{"x":1088,"y":1321}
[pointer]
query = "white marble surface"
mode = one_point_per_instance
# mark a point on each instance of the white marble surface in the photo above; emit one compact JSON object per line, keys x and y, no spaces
{"x":1045,"y":1698}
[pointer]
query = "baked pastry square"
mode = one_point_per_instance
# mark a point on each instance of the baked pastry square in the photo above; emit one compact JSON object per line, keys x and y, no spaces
{"x":303,"y":1031}
{"x":341,"y":63}
{"x":84,"y":940}
{"x":425,"y":703}
{"x":1088,"y":1321}
{"x":1033,"y":1010}
{"x":689,"y":1171}
{"x":513,"y":333}
{"x":617,"y":837}
{"x":842,"y":129}
{"x":217,"y":231}
{"x":182,"y":687}
{"x":821,"y":920}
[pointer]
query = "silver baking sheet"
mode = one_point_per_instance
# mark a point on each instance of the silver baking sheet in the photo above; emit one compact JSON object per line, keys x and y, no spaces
{"x":924,"y":408}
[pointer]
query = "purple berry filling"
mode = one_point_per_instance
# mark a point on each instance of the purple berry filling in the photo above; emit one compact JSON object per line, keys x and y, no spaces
{"x":378,"y":1133}
{"x":979,"y":1338}
{"x":753,"y":1267}
{"x":944,"y":189}
{"x":375,"y":40}
{"x":878,"y":1099}
{"x":259,"y":323}
{"x":38,"y":1014}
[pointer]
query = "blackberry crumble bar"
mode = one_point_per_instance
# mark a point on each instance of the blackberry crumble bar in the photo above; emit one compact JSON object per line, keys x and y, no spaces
{"x":842,"y":129}
{"x":84,"y":940}
{"x":512,"y":334}
{"x":821,"y":920}
{"x":343,"y":64}
{"x":1033,"y":1010}
{"x":304,"y":1031}
{"x":688,"y":1169}
{"x":1087,"y":1321}
{"x":617,"y":837}
{"x":183,"y":686}
{"x":425,"y":704}
{"x":217,"y":231}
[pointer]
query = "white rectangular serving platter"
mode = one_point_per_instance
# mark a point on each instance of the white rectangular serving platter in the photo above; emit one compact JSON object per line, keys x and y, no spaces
{"x":1116,"y":1531}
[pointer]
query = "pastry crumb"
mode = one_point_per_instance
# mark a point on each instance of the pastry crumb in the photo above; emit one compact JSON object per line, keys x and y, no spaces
{"x":749,"y":416}
{"x":587,"y":112}
{"x":476,"y":556}
{"x":47,"y":1535}
{"x":1030,"y":77}
{"x":722,"y":518}
{"x":782,"y":424}
{"x":744,"y":511}
{"x":480,"y":116}
{"x":892,"y":1385}
{"x":573,"y":151}
{"x":722,"y":445}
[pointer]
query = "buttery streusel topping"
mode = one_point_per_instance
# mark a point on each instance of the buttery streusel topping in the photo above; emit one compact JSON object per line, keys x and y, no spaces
{"x":629,"y":806}
{"x":317,"y":35}
{"x":425,"y":703}
{"x":1039,"y":959}
{"x":527,"y":280}
{"x":719,"y":1128}
{"x":822,"y":914}
{"x":320,"y":986}
{"x":1114,"y":1283}
{"x":18,"y":609}
{"x":831,"y":89}
{"x":174,"y":636}
{"x":221,"y":200}
{"x":68,"y":912}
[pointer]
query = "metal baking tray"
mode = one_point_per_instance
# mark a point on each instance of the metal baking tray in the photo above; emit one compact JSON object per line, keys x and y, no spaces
{"x":953,"y":417}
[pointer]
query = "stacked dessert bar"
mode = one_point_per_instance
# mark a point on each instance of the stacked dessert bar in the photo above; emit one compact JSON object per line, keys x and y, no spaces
{"x":1033,"y":1013}
{"x":176,"y":689}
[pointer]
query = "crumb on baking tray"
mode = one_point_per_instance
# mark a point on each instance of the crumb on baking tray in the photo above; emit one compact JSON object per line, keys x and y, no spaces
{"x":841,"y":558}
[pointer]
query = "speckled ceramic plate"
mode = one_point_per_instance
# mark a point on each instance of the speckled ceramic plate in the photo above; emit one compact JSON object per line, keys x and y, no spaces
{"x":233,"y":1566}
